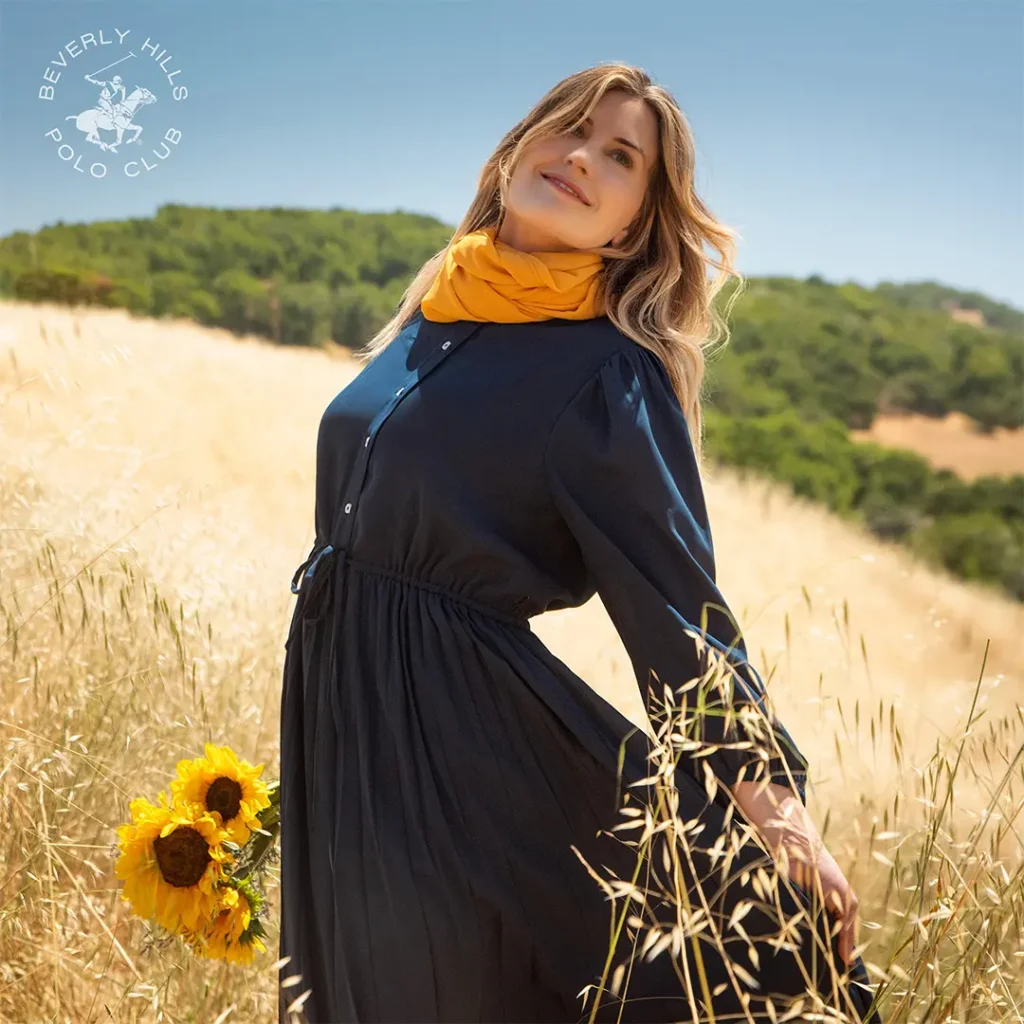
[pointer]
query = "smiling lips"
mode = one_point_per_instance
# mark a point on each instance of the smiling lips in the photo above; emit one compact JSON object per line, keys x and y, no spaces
{"x":566,"y":186}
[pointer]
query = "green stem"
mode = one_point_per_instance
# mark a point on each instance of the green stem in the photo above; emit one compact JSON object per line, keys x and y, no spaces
{"x":262,"y":843}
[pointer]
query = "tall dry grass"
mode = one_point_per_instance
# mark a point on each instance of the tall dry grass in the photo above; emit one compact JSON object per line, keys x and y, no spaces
{"x":156,"y":488}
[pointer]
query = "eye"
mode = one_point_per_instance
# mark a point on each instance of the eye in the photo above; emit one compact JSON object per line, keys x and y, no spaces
{"x":626,"y":161}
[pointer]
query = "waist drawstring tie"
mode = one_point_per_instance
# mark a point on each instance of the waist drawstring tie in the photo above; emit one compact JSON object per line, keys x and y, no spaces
{"x":312,"y":561}
{"x":309,"y":582}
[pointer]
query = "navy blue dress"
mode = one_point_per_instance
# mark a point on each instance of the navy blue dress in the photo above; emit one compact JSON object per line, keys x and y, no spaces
{"x":439,"y":764}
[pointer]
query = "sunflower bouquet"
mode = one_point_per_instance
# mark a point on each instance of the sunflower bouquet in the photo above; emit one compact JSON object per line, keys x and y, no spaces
{"x":193,"y":862}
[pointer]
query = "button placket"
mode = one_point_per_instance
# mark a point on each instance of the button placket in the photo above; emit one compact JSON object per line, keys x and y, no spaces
{"x":455,"y":337}
{"x":341,"y":530}
{"x":336,"y":546}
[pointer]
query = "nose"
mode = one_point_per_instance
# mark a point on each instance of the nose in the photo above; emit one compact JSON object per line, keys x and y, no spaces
{"x":579,"y":159}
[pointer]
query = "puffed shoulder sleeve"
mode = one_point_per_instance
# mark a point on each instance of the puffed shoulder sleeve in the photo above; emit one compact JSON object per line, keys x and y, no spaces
{"x":623,"y":473}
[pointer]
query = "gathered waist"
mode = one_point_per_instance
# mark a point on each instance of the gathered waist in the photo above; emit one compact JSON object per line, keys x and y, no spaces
{"x":308,"y":582}
{"x":371,"y":569}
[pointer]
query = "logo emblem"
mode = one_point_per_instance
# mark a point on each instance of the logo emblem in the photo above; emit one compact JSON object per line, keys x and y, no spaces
{"x":122,"y":111}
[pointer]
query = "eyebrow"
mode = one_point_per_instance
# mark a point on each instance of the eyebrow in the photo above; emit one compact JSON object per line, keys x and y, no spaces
{"x":625,"y":142}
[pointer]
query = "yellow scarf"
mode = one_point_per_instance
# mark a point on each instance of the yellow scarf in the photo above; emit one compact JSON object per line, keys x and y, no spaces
{"x":484,"y":279}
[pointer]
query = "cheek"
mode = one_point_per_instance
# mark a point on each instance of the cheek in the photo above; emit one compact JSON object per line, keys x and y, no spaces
{"x":540,"y":154}
{"x":620,"y":198}
{"x":523,"y":176}
{"x":521,"y":192}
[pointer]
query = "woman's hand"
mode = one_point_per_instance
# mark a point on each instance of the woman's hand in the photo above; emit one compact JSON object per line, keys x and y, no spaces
{"x":785,"y":824}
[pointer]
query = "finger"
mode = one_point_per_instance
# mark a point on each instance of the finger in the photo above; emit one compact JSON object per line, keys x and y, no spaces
{"x":851,"y":940}
{"x":834,"y":903}
{"x":850,"y":935}
{"x":846,"y":943}
{"x":843,"y":923}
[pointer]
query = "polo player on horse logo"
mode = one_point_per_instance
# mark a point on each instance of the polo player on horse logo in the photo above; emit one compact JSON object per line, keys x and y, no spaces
{"x":108,"y":115}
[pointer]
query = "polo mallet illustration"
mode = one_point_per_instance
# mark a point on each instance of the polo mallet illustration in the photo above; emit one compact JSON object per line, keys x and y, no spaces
{"x":114,"y":65}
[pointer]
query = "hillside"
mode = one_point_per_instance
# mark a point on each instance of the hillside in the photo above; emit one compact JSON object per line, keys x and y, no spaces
{"x":951,"y":442}
{"x":815,"y":388}
{"x":303,"y":277}
{"x":115,"y":416}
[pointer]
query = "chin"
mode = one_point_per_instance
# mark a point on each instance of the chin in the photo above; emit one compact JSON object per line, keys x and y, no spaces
{"x":547,"y":219}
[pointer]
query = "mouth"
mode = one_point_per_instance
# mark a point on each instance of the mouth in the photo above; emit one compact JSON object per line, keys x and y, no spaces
{"x":566,"y":186}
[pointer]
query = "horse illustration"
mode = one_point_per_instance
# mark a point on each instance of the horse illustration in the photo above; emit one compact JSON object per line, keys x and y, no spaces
{"x":117,"y":118}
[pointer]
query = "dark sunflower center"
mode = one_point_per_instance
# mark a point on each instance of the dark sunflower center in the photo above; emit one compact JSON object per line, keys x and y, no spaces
{"x":224,"y":795}
{"x":182,"y":856}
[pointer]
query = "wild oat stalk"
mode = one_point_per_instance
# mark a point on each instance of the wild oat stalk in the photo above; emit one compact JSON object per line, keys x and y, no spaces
{"x":959,"y":961}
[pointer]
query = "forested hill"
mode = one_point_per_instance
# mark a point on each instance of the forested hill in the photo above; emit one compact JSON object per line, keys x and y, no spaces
{"x":806,"y":361}
{"x":301,"y":277}
{"x":296,"y":276}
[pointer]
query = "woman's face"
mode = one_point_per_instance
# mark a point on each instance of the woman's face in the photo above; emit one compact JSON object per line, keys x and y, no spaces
{"x":611,"y":175}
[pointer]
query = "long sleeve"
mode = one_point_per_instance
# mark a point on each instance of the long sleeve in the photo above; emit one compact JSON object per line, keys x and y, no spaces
{"x":622,"y":472}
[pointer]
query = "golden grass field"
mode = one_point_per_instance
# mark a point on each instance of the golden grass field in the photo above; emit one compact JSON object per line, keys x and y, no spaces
{"x":156,"y":494}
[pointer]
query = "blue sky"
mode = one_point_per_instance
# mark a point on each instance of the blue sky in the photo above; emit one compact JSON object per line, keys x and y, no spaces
{"x":862,"y":141}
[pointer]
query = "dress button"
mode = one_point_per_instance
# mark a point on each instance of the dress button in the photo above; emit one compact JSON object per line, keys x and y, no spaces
{"x":348,"y":507}
{"x":446,"y":344}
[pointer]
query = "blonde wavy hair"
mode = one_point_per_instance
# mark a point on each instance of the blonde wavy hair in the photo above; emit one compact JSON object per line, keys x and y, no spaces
{"x":656,"y":286}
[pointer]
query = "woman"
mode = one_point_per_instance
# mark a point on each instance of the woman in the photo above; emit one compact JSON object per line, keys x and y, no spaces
{"x":527,"y":434}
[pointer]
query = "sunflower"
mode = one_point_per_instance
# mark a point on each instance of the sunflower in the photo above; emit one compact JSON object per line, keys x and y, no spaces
{"x":230,"y":935}
{"x":226,"y":787}
{"x":172,"y":862}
